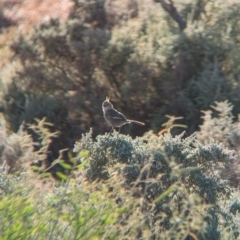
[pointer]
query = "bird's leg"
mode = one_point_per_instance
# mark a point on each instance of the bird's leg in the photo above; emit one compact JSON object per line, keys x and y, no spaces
{"x":111,"y":130}
{"x":119,"y":129}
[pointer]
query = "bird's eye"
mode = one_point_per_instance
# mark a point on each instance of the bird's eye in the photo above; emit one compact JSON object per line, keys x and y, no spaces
{"x":105,"y":104}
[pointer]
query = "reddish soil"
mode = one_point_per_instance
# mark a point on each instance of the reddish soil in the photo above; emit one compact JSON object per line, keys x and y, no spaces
{"x":25,"y":13}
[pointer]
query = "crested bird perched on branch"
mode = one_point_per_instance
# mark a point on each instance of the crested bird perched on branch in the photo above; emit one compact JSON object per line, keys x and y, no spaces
{"x":115,"y":118}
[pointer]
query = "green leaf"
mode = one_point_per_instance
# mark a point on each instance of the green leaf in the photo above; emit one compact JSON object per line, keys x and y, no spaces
{"x":65,"y":165}
{"x":46,"y":175}
{"x":35,"y":168}
{"x":61,"y":175}
{"x":71,"y":157}
{"x":166,"y":193}
{"x":121,"y":210}
{"x":82,"y":165}
{"x":188,"y":169}
{"x":83,"y":154}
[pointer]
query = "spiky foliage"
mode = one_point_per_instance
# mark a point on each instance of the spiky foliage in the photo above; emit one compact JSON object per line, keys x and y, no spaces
{"x":16,"y":149}
{"x":57,"y":214}
{"x":64,"y":69}
{"x":220,"y":124}
{"x":145,"y":53}
{"x":175,"y":179}
{"x":21,"y":150}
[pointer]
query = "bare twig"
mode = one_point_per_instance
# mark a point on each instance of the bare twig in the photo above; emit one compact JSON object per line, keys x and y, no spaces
{"x":169,"y":7}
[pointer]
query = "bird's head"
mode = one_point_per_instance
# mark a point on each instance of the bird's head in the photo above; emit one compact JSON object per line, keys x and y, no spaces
{"x":106,"y":104}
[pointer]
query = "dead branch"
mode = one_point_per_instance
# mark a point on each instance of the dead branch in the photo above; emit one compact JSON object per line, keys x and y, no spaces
{"x":169,"y":7}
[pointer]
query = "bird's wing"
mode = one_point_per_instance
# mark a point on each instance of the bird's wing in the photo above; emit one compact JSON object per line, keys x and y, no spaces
{"x":113,"y":114}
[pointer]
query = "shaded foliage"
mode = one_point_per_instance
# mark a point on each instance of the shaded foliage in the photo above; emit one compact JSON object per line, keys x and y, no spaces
{"x":220,"y":124}
{"x":64,"y":69}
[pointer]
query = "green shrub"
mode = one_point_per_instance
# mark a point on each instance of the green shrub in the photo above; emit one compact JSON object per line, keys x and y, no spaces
{"x":170,"y":72}
{"x":145,"y":188}
{"x":65,"y":213}
{"x":178,"y":181}
{"x":220,"y":124}
{"x":143,"y":60}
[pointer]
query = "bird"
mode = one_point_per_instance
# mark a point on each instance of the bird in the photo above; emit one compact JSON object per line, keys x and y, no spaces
{"x":115,"y":118}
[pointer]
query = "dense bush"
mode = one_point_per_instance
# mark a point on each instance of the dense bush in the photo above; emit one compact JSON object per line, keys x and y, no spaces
{"x":147,"y":188}
{"x":58,"y":212}
{"x":150,"y":187}
{"x":220,"y":124}
{"x":16,"y":149}
{"x":175,"y":179}
{"x":94,"y":54}
{"x":64,"y":70}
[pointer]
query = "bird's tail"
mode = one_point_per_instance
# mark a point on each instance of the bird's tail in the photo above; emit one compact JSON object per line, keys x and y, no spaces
{"x":136,"y":122}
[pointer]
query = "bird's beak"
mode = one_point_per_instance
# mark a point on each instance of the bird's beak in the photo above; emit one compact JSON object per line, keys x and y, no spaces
{"x":108,"y":98}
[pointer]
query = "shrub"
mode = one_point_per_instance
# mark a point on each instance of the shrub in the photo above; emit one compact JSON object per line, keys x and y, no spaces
{"x":220,"y":124}
{"x":173,"y":181}
{"x":29,"y":213}
{"x":16,"y":149}
{"x":21,"y":150}
{"x":168,"y":71}
{"x":155,"y":187}
{"x":66,"y":68}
